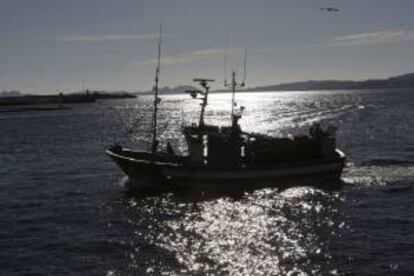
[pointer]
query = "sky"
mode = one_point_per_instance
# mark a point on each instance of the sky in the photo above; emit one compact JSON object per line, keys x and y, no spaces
{"x":60,"y":45}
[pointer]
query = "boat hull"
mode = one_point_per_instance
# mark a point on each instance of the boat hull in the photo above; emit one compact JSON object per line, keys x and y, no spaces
{"x":145,"y":173}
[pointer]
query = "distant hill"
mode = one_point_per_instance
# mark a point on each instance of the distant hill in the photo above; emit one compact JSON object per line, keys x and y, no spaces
{"x":168,"y":90}
{"x":12,"y":93}
{"x":403,"y":81}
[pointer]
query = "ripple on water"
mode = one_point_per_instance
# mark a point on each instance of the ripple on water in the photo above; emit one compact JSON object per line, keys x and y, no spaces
{"x":266,"y":232}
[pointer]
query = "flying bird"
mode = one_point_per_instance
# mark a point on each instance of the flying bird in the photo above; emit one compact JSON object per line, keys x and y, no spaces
{"x":331,"y":9}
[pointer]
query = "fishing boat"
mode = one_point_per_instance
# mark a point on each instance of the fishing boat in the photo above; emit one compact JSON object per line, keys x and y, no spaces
{"x":228,"y":158}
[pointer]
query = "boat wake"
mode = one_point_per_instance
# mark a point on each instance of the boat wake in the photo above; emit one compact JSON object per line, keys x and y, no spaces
{"x":379,"y":174}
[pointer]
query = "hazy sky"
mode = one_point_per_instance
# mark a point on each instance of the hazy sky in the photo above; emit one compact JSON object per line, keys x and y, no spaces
{"x":47,"y":45}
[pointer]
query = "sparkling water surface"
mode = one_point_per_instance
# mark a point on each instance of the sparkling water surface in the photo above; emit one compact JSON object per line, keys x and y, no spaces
{"x":64,"y":208}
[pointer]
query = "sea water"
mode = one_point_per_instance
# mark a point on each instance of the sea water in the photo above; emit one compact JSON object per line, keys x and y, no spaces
{"x":64,"y":208}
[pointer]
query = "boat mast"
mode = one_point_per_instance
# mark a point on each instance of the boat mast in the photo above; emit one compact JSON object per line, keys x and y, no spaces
{"x":157,"y":100}
{"x":203,"y":83}
{"x":233,"y":93}
{"x":235,"y":85}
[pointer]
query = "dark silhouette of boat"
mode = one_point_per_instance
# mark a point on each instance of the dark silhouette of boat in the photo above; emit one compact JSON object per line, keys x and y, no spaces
{"x":227,"y":158}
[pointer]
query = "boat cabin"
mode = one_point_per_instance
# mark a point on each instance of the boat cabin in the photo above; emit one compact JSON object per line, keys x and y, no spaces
{"x":215,"y":146}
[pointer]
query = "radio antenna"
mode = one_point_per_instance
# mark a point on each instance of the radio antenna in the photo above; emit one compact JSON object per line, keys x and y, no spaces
{"x":225,"y":60}
{"x":244,"y":66}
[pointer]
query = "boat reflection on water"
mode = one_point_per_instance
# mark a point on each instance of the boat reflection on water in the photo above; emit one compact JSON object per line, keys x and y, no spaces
{"x":263,"y":232}
{"x":145,"y":187}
